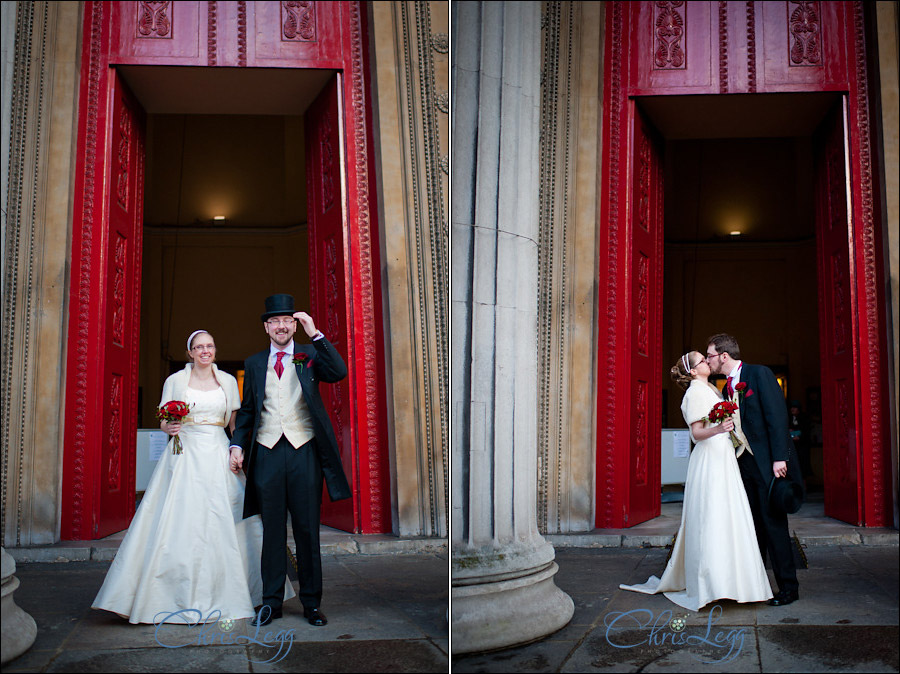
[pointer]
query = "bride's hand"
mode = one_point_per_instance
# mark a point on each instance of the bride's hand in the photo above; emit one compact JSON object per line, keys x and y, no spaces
{"x":236,"y":460}
{"x":727,"y":425}
{"x":172,"y":428}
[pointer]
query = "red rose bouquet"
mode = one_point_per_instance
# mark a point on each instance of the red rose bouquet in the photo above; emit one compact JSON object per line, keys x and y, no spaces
{"x":174,"y":410}
{"x":720,"y":412}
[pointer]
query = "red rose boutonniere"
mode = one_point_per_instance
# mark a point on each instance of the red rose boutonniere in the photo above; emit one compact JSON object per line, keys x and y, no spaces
{"x":174,"y":410}
{"x":742,"y":390}
{"x":723,"y":410}
{"x":302,"y":358}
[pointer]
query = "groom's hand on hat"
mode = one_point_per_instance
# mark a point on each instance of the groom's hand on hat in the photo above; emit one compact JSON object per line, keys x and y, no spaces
{"x":779,"y":468}
{"x":309,"y":327}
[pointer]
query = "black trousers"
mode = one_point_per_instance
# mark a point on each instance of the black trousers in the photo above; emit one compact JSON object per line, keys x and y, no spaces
{"x":771,"y":526}
{"x":289,"y":479}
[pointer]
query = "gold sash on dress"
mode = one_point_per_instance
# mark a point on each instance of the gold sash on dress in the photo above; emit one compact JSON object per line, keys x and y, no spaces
{"x":203,"y":420}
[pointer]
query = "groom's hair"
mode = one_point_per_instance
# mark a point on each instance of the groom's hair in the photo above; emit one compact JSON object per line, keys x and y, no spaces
{"x":725,"y":342}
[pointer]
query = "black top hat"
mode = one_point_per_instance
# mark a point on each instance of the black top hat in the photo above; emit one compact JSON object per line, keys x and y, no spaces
{"x":281,"y":304}
{"x":785,"y":495}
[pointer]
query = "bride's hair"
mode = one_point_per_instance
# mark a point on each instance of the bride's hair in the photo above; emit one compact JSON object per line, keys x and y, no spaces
{"x":681,"y":371}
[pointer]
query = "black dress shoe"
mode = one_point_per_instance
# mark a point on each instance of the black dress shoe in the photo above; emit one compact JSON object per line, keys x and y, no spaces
{"x":265,"y":615}
{"x":315,"y":617}
{"x":784,"y":598}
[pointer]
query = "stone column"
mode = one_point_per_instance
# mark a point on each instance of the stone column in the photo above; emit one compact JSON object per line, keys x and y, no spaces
{"x":19,"y":629}
{"x":503,"y":591}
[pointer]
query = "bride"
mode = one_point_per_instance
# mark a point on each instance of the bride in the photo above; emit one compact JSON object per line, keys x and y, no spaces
{"x":188,"y":557}
{"x":715,"y":555}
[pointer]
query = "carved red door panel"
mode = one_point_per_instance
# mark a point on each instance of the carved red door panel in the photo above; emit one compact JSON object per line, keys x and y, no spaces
{"x":160,"y":33}
{"x":328,"y":279}
{"x":307,"y":34}
{"x":672,"y":51}
{"x":629,"y":409}
{"x":644,"y":347}
{"x":801,"y":45}
{"x":231,"y":33}
{"x":120,"y":301}
{"x":101,"y":391}
{"x":837,"y":338}
{"x":733,"y":47}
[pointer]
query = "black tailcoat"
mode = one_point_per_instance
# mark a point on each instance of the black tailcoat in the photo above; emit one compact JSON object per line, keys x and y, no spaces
{"x":765,"y":424}
{"x":323,"y":363}
{"x":764,"y":420}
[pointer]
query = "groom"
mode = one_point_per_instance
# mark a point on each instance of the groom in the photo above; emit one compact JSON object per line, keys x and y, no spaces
{"x":762,"y":416}
{"x":291,"y":444}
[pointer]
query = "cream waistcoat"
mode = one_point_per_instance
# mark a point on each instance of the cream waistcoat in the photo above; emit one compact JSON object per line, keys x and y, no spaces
{"x":738,"y":429}
{"x":284,"y":410}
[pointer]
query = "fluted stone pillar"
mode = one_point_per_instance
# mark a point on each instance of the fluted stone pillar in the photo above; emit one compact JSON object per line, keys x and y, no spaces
{"x":503,"y":590}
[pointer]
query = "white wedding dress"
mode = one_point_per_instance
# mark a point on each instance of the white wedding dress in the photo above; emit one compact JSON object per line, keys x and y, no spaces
{"x":715,"y":555}
{"x":188,"y":556}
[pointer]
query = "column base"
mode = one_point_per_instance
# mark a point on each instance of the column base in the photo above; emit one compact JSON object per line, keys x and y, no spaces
{"x":504,"y":613}
{"x":19,"y":629}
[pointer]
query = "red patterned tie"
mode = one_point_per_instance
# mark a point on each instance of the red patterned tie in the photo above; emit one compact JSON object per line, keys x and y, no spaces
{"x":729,"y":389}
{"x":279,"y":366}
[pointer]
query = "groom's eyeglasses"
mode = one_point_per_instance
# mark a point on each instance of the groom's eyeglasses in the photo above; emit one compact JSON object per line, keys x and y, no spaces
{"x":710,"y":356}
{"x":285,"y":322}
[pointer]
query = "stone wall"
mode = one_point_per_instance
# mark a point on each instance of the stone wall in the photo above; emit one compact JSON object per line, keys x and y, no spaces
{"x":42,"y":87}
{"x":411,"y":44}
{"x":887,"y":21}
{"x":571,"y":90}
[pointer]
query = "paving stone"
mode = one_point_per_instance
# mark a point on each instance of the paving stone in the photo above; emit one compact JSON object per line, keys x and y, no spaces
{"x":353,"y":656}
{"x":153,"y":660}
{"x":32,"y":660}
{"x":399,"y":600}
{"x":655,"y":646}
{"x":828,"y":648}
{"x":544,"y":656}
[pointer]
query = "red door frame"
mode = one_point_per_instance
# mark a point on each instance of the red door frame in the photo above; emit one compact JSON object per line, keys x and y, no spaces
{"x":674,"y":48}
{"x":233,"y":34}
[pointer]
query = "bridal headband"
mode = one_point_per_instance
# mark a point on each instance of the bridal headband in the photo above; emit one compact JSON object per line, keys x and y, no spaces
{"x":191,"y":338}
{"x":684,"y":361}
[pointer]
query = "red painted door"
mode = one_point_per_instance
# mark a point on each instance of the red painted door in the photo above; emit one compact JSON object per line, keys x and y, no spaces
{"x":328,"y":259}
{"x":645,"y":344}
{"x":843,"y":496}
{"x":120,"y":300}
{"x":101,"y":391}
{"x":629,"y":408}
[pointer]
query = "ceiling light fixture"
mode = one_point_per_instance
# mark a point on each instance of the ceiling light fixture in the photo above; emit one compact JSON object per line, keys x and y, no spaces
{"x":735,"y":233}
{"x":218,"y":217}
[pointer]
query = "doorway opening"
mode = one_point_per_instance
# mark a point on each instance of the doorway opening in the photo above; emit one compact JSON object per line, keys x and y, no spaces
{"x":225,"y":216}
{"x":740,"y":249}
